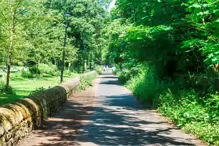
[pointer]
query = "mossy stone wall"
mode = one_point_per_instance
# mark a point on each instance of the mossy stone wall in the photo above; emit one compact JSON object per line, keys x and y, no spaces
{"x":17,"y":120}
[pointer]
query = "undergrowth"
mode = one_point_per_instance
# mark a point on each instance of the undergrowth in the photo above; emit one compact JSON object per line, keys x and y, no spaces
{"x":143,"y":84}
{"x":194,"y":112}
{"x":99,"y":69}
{"x":86,"y":82}
{"x":3,"y":89}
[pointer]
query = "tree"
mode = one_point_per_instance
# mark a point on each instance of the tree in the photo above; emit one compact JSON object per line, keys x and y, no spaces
{"x":13,"y":15}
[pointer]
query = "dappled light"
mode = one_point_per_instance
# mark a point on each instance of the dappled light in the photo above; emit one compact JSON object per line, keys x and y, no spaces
{"x":111,"y":117}
{"x":154,"y":58}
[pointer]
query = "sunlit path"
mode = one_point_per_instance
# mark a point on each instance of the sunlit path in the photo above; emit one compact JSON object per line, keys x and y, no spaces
{"x":166,"y":52}
{"x":108,"y":116}
{"x":120,"y":119}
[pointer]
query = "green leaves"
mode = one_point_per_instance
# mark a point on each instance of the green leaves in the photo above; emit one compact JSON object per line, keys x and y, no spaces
{"x":193,"y":114}
{"x":175,"y":37}
{"x":204,"y":15}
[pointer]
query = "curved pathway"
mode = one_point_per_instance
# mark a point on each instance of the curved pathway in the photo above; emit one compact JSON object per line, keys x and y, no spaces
{"x":108,"y":116}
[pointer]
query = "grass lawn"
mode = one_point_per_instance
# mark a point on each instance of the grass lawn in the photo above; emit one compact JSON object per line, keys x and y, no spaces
{"x":23,"y":87}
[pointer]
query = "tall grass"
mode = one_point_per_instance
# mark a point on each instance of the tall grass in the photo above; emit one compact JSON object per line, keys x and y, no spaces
{"x":144,"y":84}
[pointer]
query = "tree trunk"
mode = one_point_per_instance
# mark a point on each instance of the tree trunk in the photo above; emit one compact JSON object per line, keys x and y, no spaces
{"x":90,"y":61}
{"x":120,"y":66}
{"x":83,"y":62}
{"x":10,"y":53}
{"x":69,"y":66}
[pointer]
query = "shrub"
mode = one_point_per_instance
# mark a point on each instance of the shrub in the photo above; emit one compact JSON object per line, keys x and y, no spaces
{"x":85,"y":82}
{"x":186,"y":108}
{"x":144,"y":84}
{"x":27,"y":74}
{"x":3,"y":89}
{"x":47,"y":69}
{"x":99,"y":69}
{"x":124,"y":76}
{"x":43,"y":69}
{"x":68,"y":73}
{"x":34,"y":70}
{"x":195,"y":114}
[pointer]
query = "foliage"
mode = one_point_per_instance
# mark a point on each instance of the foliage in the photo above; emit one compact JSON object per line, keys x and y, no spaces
{"x":47,"y":69}
{"x":41,"y":69}
{"x":195,"y":114}
{"x":34,"y":70}
{"x":204,"y":16}
{"x":153,"y":43}
{"x":2,"y":87}
{"x":85,"y":83}
{"x":35,"y":34}
{"x":99,"y":69}
{"x":177,"y":36}
{"x":144,"y":83}
{"x":27,"y":74}
{"x":4,"y":91}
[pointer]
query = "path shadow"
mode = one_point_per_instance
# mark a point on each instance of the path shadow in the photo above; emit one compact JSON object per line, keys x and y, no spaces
{"x":109,"y":77}
{"x":115,"y":120}
{"x":61,"y":129}
{"x":107,"y":126}
{"x":111,"y":126}
{"x":111,"y":83}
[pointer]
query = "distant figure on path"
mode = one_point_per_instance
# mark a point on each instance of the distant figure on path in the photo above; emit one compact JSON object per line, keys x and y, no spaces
{"x":104,"y":68}
{"x":113,"y":68}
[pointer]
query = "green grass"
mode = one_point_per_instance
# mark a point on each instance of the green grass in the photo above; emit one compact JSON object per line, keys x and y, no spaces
{"x":23,"y":86}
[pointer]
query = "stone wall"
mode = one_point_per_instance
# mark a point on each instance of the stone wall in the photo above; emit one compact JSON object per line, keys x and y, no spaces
{"x":17,"y":120}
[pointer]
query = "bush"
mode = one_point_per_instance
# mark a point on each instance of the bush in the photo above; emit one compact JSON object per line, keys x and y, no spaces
{"x":43,"y":69}
{"x":144,"y":84}
{"x":3,"y":89}
{"x":195,"y":114}
{"x":186,"y":108}
{"x":34,"y":70}
{"x":99,"y":69}
{"x":124,"y":76}
{"x":27,"y":74}
{"x":86,"y":82}
{"x":47,"y":69}
{"x":127,"y":74}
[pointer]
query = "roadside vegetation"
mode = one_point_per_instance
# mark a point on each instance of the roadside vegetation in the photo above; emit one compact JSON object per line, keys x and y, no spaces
{"x":167,"y":54}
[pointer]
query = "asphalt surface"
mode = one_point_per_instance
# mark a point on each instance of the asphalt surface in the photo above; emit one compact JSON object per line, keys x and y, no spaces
{"x":120,"y":119}
{"x":108,"y":114}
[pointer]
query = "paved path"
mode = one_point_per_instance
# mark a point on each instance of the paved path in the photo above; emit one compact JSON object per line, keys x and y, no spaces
{"x":111,"y":117}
